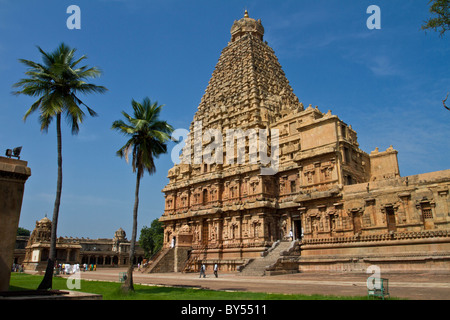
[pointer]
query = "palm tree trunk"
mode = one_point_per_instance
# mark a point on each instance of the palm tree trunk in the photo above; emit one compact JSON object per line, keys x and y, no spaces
{"x":128,"y":285}
{"x":47,"y":281}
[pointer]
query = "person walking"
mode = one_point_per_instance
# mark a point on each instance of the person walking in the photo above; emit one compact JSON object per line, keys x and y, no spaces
{"x":202,"y":271}
{"x":216,"y":269}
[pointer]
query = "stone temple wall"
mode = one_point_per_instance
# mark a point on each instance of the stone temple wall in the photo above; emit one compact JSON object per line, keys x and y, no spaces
{"x":13,"y":175}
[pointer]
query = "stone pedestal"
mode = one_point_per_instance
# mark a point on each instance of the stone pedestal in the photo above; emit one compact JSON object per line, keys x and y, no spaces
{"x":13,"y":174}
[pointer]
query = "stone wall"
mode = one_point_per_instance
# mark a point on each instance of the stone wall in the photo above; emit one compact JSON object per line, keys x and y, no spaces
{"x":13,"y":175}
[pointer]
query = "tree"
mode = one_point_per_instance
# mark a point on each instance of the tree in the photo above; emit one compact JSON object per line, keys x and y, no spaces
{"x":151,"y":239}
{"x":57,"y":82}
{"x":148,"y":139}
{"x":23,"y":232}
{"x":441,"y":10}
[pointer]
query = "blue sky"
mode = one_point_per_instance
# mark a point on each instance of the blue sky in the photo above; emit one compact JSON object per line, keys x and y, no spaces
{"x":388,"y":84}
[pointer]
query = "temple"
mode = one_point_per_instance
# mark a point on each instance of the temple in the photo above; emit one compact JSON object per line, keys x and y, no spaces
{"x":326,"y":205}
{"x":32,"y":252}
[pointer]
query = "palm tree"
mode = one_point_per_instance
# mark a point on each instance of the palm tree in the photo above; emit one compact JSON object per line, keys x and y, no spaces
{"x":57,"y":82}
{"x":148,"y":139}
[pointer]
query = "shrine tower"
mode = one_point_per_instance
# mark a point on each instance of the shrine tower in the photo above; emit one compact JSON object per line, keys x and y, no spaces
{"x":325,"y":192}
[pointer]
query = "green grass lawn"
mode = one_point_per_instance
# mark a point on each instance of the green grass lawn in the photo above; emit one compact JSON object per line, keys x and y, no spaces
{"x":111,"y":291}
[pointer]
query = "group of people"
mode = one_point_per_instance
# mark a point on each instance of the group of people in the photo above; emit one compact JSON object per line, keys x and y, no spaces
{"x":67,"y":268}
{"x":17,"y":267}
{"x":203,"y":270}
{"x":144,"y":264}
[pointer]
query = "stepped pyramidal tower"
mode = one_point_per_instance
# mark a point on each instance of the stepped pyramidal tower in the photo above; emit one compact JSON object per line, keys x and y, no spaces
{"x":319,"y":188}
{"x":248,"y":87}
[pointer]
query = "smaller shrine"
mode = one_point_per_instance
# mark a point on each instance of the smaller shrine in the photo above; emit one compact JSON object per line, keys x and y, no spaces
{"x":100,"y":252}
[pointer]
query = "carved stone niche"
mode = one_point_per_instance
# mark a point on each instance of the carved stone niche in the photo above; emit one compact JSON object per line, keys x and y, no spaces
{"x":354,"y":211}
{"x":392,"y":217}
{"x":427,"y":212}
{"x":394,"y":205}
{"x":404,"y":196}
{"x":424,"y":201}
{"x":355,"y":214}
{"x":368,"y":215}
{"x":442,"y":192}
{"x":185,"y":236}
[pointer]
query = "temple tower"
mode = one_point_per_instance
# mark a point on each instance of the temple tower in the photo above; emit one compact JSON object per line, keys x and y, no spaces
{"x":226,"y":206}
{"x":225,"y":203}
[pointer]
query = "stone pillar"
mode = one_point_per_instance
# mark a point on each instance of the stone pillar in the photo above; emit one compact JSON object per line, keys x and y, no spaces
{"x":68,"y":250}
{"x":13,"y":175}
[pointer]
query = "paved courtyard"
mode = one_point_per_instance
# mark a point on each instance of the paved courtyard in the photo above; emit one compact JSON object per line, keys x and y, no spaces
{"x":417,"y":286}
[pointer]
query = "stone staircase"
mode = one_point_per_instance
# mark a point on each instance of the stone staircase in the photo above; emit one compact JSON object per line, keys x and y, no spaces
{"x":168,"y":260}
{"x":162,"y":262}
{"x":259,"y":265}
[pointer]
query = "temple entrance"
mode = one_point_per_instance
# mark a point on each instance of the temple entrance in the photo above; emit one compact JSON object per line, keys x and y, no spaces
{"x":44,"y":255}
{"x":173,"y":242}
{"x":297,"y":229}
{"x":390,"y":219}
{"x":356,"y":223}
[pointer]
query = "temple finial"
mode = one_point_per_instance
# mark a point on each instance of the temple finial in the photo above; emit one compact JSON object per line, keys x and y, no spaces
{"x":246,"y":14}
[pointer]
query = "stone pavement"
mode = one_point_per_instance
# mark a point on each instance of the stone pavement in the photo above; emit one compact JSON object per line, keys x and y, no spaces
{"x":416,"y":286}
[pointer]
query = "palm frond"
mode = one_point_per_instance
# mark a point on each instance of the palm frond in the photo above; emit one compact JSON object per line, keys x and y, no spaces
{"x":88,"y":88}
{"x":92,"y":113}
{"x":74,"y":115}
{"x":56,"y":82}
{"x":148,"y":135}
{"x":46,"y":57}
{"x":74,"y":63}
{"x":45,"y":121}
{"x":33,"y":108}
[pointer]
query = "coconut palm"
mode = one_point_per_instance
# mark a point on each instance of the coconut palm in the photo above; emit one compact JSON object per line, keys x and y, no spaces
{"x":148,"y":137}
{"x":57,"y":82}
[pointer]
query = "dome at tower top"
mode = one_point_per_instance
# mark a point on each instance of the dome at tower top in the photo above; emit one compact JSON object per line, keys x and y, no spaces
{"x":120,"y":234}
{"x":44,"y":221}
{"x":247,"y":25}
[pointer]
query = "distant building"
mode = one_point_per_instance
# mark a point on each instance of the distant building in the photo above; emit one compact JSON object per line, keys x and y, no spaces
{"x":101,"y":252}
